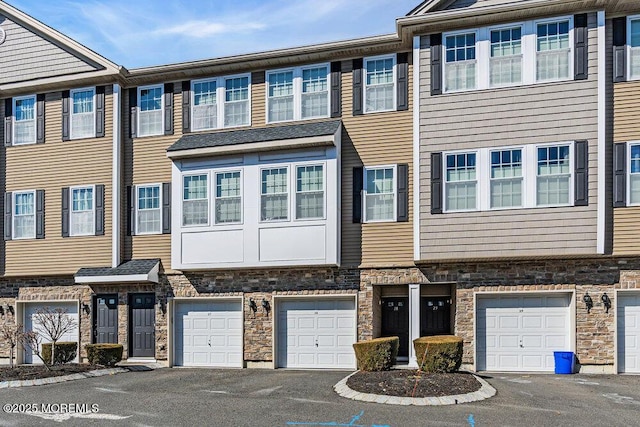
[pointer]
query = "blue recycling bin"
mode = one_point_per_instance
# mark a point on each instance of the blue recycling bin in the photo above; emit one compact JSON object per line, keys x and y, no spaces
{"x":564,"y":362}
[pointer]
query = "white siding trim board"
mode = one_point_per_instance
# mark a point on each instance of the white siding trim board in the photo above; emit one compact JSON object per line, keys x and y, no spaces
{"x":602,"y":134}
{"x":416,"y":148}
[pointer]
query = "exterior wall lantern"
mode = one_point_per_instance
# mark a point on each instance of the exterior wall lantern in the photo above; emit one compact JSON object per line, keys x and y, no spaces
{"x":252,"y":305}
{"x":588,"y":302}
{"x":266,"y":307}
{"x":606,"y":301}
{"x":86,"y":308}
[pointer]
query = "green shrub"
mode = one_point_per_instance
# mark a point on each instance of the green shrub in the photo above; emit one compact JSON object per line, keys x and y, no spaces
{"x":104,"y":354}
{"x":378,"y":354}
{"x":440,"y":353}
{"x":65,"y":352}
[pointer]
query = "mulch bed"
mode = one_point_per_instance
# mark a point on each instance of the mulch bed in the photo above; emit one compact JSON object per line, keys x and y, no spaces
{"x":32,"y":372}
{"x":410,"y":383}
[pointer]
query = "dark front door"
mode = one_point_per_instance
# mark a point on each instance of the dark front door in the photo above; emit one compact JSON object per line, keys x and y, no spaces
{"x":105,"y":319}
{"x":142,"y":320}
{"x":435,"y":316}
{"x":395,"y":321}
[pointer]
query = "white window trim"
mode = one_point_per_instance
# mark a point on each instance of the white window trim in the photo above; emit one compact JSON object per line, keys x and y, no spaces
{"x":628,"y":47}
{"x":182,"y":199}
{"x":364,"y":83}
{"x":290,"y":215}
{"x":13,"y":214}
{"x":139,"y":108}
{"x":529,"y":177}
{"x":137,"y":204}
{"x":297,"y":92}
{"x":529,"y":53}
{"x":395,"y":193}
{"x":71,"y":114}
{"x":295,"y":192}
{"x":221,"y":100}
{"x":214,"y":192}
{"x":35,"y":118}
{"x":630,"y":144}
{"x":93,"y":209}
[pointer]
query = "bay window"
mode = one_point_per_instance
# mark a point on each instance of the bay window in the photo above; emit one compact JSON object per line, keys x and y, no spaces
{"x":274,"y":190}
{"x":228,"y":198}
{"x":195,"y":200}
{"x":310,"y":192}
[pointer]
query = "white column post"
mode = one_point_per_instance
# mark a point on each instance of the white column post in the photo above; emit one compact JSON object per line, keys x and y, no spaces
{"x":414,"y":322}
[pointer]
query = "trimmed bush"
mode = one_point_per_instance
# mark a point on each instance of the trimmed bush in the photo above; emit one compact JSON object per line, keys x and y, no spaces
{"x":104,"y":354}
{"x":378,"y":354}
{"x":65,"y":352}
{"x":439,"y":354}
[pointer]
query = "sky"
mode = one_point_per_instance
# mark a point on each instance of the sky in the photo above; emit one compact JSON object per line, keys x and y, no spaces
{"x":140,"y":33}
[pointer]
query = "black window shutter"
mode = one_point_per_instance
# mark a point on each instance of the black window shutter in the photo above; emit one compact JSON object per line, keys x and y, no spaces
{"x":403,"y":192}
{"x":186,"y":106}
{"x":436,"y":64}
{"x":357,"y":194}
{"x":358,"y":89}
{"x":619,"y":175}
{"x":581,"y":48}
{"x":100,"y":101}
{"x":436,"y":183}
{"x":66,"y":130}
{"x":166,"y":208}
{"x":619,"y":49}
{"x":336,"y":89}
{"x":39,"y":214}
{"x":8,"y":211}
{"x":131,"y":210}
{"x":99,"y":204}
{"x":40,"y":118}
{"x":168,"y":109}
{"x":581,"y":178}
{"x":8,"y":121}
{"x":403,"y":81}
{"x":65,"y":212}
{"x":133,"y":111}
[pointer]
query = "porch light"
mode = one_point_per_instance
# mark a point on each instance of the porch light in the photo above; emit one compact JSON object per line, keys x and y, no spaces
{"x":10,"y":309}
{"x":266,"y":306}
{"x":252,"y":305}
{"x":606,"y":301}
{"x":1,"y":311}
{"x":588,"y":302}
{"x":162,"y":303}
{"x":86,"y":308}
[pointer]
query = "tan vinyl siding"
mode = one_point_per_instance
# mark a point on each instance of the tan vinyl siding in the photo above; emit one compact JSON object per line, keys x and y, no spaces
{"x":258,"y":105}
{"x":371,"y":140}
{"x":50,"y":167}
{"x":517,"y":116}
{"x":626,"y":99}
{"x":626,"y":236}
{"x":28,"y":56}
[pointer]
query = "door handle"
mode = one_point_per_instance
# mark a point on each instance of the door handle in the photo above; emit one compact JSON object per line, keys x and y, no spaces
{"x":316,"y":343}
{"x":521,"y":346}
{"x":209,"y":343}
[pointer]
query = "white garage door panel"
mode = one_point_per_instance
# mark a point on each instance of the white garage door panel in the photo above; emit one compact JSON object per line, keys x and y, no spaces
{"x":520,"y":333}
{"x":208,"y":333}
{"x":316,"y":333}
{"x":628,"y":332}
{"x":30,"y":324}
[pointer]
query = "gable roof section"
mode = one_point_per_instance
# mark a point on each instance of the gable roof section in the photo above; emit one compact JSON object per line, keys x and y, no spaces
{"x":428,"y":6}
{"x":34,"y":51}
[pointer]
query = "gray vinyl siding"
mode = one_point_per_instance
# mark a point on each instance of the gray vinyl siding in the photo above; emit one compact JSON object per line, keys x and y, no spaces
{"x":459,"y":4}
{"x":27,"y":56}
{"x":517,"y":116}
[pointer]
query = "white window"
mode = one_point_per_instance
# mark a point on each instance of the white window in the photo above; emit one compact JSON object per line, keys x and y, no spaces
{"x":220,"y":102}
{"x":633,"y":41}
{"x":506,"y":178}
{"x":24,"y":215}
{"x":461,"y":182}
{"x":150,"y":116}
{"x":274,"y":199}
{"x":83,"y":123}
{"x":506,"y":57}
{"x":228,"y":197}
{"x":195,"y":200}
{"x":24,"y":124}
{"x":310,"y":192}
{"x":148,"y":209}
{"x":82,"y":218}
{"x":634,"y":174}
{"x":553,"y":47}
{"x":379,"y":87}
{"x":554,"y":175}
{"x":460,"y":62}
{"x":298,"y":93}
{"x":380,"y":194}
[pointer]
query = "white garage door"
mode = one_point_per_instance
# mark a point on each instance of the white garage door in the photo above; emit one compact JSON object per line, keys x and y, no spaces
{"x":629,"y":332}
{"x":520,"y":333}
{"x":208,"y":333}
{"x":30,"y":324}
{"x":316,"y":333}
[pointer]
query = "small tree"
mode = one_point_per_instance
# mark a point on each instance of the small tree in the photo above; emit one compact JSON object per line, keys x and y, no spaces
{"x":13,"y":335}
{"x":31,"y":340}
{"x":53,"y":323}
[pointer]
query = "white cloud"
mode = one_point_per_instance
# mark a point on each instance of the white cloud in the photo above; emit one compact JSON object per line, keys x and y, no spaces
{"x":202,"y":29}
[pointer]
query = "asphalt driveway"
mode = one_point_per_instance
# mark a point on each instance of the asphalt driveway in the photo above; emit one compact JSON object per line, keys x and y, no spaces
{"x":176,"y":397}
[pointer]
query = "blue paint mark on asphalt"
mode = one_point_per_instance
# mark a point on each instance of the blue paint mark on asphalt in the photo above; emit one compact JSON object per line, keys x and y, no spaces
{"x":472,"y":421}
{"x":352,"y":423}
